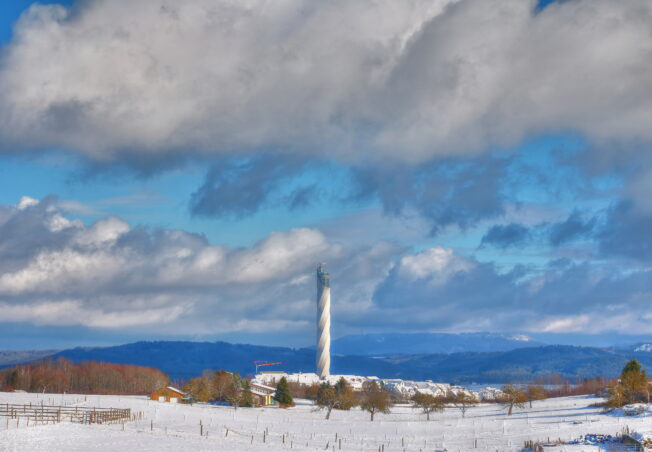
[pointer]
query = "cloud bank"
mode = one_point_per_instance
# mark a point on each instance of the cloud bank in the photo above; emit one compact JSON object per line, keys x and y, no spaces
{"x":361,"y":82}
{"x":110,"y":275}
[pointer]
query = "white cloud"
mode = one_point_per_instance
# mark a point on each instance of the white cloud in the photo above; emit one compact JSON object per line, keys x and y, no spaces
{"x":110,"y":275}
{"x":437,"y":264}
{"x":104,"y":231}
{"x":358,"y":80}
{"x":77,"y":312}
{"x":63,"y":271}
{"x":25,"y":202}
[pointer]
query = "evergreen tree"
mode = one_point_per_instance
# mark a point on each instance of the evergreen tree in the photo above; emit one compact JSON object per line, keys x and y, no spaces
{"x":631,"y":366}
{"x":247,"y":396}
{"x":283,"y":395}
{"x":634,"y":382}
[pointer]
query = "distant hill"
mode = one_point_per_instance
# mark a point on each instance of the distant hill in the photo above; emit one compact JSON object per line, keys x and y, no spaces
{"x":520,"y":365}
{"x":418,"y":343}
{"x":189,"y":359}
{"x":11,"y":357}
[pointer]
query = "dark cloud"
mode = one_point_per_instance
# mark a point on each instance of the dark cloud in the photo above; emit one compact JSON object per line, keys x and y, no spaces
{"x":573,"y":228}
{"x":239,"y":187}
{"x":576,"y":227}
{"x":505,"y":236}
{"x":627,"y":232}
{"x":303,"y":197}
{"x":453,"y":192}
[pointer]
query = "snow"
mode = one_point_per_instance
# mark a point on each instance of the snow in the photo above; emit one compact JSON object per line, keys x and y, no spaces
{"x":177,"y":427}
{"x":405,"y":388}
{"x":635,"y":409}
{"x":644,"y":348}
{"x":520,"y":337}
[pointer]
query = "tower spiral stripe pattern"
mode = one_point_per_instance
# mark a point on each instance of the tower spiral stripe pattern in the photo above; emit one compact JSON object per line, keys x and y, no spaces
{"x":323,"y":323}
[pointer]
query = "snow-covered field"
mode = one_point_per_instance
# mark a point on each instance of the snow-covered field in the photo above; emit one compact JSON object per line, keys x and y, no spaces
{"x":177,"y":427}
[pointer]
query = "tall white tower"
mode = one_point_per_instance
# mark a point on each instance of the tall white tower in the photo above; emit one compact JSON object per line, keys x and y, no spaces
{"x":323,"y":322}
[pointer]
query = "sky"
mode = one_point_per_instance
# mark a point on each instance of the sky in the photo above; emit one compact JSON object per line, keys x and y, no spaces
{"x":176,"y":170}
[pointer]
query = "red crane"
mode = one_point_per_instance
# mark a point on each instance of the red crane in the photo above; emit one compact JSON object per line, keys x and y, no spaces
{"x":264,"y":363}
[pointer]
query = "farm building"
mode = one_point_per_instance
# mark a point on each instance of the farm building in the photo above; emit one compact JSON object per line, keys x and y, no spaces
{"x":261,"y":398}
{"x":171,"y":395}
{"x":263,"y":395}
{"x":264,"y":389}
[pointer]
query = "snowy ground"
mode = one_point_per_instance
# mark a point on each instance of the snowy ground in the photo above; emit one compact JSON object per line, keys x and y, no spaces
{"x":176,"y":427}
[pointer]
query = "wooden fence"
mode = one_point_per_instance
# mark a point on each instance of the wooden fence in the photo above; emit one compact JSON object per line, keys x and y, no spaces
{"x":48,"y":414}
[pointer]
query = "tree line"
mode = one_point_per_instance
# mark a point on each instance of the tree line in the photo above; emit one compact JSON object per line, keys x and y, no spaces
{"x":89,"y":377}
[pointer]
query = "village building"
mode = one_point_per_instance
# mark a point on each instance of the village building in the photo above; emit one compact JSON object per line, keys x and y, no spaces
{"x":262,"y":395}
{"x":172,"y":395}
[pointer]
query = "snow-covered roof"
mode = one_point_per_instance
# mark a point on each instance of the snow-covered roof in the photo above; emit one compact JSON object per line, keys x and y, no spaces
{"x":179,"y":391}
{"x":258,"y":393}
{"x":260,"y":385}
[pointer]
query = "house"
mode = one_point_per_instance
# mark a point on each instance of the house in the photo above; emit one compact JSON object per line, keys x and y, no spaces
{"x":262,"y":395}
{"x":262,"y":399}
{"x":171,"y":395}
{"x":264,"y":389}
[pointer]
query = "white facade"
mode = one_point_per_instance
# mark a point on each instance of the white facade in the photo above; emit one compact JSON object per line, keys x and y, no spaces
{"x":406,"y":388}
{"x":323,"y":323}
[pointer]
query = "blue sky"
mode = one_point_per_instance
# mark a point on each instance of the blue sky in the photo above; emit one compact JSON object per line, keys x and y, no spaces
{"x":168,"y":174}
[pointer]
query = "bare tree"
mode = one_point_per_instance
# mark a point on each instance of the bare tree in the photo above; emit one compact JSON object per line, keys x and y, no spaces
{"x":463,"y":401}
{"x":327,"y":398}
{"x":234,"y":396}
{"x":222,"y":381}
{"x":427,"y":403}
{"x":513,"y":396}
{"x":375,"y":399}
{"x":340,"y":397}
{"x":535,"y":392}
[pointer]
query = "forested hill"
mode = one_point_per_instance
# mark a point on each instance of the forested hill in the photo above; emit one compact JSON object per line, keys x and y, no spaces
{"x":383,"y":344}
{"x":188,"y":359}
{"x":10,"y":357}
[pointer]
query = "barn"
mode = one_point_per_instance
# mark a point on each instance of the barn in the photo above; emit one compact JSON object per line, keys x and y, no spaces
{"x":171,"y":394}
